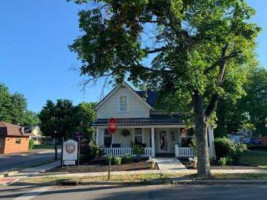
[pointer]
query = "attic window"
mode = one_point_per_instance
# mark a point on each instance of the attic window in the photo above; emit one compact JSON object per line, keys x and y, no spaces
{"x":123,"y":103}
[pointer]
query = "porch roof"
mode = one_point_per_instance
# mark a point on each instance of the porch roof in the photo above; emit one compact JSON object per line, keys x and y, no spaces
{"x":140,"y":122}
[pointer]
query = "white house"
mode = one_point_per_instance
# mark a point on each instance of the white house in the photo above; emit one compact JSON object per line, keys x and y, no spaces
{"x":139,"y":121}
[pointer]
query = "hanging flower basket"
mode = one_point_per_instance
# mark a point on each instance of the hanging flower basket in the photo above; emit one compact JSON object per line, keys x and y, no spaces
{"x":125,"y":132}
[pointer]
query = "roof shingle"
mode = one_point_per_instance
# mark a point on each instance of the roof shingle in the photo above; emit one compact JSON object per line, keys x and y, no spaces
{"x":7,"y":129}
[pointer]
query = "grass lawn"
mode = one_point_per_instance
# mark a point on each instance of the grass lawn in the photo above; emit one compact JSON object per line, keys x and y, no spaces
{"x":255,"y":158}
{"x":142,"y":178}
{"x":136,"y":178}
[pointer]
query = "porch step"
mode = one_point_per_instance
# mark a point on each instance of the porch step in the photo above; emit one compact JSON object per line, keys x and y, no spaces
{"x":169,"y":164}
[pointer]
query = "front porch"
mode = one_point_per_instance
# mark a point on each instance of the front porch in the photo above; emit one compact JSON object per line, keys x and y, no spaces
{"x":155,"y":140}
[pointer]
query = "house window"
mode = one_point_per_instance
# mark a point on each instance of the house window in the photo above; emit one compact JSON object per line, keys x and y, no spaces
{"x":138,"y":136}
{"x":123,"y":103}
{"x":18,"y":141}
{"x":107,"y":139}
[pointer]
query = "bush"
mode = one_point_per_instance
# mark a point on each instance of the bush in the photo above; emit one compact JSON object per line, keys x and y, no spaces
{"x":31,"y":144}
{"x":238,"y":151}
{"x":108,"y":157}
{"x":226,"y":149}
{"x":138,"y":150}
{"x":91,"y":153}
{"x":223,"y":147}
{"x":116,"y":160}
{"x":126,"y":159}
{"x":222,"y":161}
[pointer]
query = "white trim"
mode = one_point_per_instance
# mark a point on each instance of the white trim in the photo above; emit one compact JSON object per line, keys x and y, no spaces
{"x":153,"y":141}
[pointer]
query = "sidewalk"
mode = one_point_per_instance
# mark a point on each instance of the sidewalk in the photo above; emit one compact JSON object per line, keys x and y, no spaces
{"x":166,"y":164}
{"x":41,"y":168}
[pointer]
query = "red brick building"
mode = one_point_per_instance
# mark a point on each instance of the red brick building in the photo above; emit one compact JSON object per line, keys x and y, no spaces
{"x":13,"y":139}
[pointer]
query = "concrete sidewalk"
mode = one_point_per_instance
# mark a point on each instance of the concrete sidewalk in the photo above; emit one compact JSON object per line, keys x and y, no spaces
{"x":41,"y":168}
{"x":167,"y":164}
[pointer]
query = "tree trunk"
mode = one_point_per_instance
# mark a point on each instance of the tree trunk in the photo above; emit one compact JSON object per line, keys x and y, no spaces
{"x":203,"y":163}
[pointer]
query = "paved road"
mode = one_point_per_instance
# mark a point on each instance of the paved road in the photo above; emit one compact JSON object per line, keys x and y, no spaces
{"x":105,"y":192}
{"x":8,"y":162}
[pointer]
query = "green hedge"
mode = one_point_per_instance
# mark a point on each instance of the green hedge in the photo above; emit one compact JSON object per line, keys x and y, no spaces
{"x":31,"y":144}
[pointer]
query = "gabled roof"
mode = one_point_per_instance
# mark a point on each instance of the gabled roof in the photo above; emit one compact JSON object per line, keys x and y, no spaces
{"x":118,"y":87}
{"x":7,"y":129}
{"x":150,"y":97}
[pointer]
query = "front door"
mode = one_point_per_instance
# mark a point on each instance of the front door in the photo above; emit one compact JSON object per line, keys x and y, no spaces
{"x":163,"y":141}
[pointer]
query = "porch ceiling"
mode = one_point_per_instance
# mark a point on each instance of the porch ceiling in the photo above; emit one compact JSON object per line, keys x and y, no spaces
{"x":140,"y":122}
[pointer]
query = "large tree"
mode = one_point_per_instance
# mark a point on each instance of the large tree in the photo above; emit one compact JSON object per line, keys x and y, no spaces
{"x":191,"y":50}
{"x":57,"y":119}
{"x":13,"y":108}
{"x":256,"y":100}
{"x":248,"y":112}
{"x":85,"y":115}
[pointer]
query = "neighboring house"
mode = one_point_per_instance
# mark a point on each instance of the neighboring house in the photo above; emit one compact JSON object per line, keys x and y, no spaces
{"x":35,"y":134}
{"x":139,"y":121}
{"x":13,"y":139}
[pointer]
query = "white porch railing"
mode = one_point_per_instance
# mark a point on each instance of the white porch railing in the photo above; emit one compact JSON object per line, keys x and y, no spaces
{"x":120,"y":151}
{"x":184,"y":152}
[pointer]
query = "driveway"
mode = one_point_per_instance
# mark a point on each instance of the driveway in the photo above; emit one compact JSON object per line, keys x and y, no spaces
{"x":108,"y":192}
{"x":9,"y":162}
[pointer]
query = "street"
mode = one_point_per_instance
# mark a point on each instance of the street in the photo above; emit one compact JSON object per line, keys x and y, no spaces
{"x":114,"y":192}
{"x":18,"y":161}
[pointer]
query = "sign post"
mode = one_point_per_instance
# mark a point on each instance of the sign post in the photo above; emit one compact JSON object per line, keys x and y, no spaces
{"x":112,"y":128}
{"x":79,"y":136}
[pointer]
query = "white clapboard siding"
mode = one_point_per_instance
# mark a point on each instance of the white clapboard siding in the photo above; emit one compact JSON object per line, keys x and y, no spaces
{"x":136,"y":107}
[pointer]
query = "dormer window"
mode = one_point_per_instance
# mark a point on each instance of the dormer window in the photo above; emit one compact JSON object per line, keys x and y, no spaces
{"x":123,"y":103}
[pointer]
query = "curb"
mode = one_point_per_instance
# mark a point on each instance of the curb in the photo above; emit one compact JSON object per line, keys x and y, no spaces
{"x":171,"y":182}
{"x":209,"y":182}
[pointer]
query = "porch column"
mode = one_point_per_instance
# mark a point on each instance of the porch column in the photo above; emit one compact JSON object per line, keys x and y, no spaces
{"x":97,"y":136}
{"x":153,"y":141}
{"x":211,"y":142}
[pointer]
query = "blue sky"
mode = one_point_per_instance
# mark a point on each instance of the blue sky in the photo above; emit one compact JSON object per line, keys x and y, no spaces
{"x":35,"y":59}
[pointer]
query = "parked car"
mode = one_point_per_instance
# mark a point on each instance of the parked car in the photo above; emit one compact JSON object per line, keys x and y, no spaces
{"x":249,"y":141}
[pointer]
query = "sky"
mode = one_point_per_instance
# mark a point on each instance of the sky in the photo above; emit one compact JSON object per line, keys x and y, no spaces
{"x":34,"y":56}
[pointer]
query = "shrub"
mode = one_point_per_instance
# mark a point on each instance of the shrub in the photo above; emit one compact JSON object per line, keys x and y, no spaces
{"x":31,"y":144}
{"x":116,"y":160}
{"x":222,"y":161}
{"x":238,"y":151}
{"x":126,"y":159}
{"x":108,"y":157}
{"x":92,"y":152}
{"x":225,"y":148}
{"x":138,"y":150}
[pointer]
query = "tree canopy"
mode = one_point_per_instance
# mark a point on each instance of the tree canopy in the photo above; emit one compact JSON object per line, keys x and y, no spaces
{"x":248,"y":112}
{"x":193,"y":52}
{"x":14,"y":108}
{"x":63,"y":119}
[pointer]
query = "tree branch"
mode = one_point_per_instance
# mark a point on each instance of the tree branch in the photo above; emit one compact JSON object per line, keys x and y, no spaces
{"x":217,"y":63}
{"x":156,"y":50}
{"x":212,"y":105}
